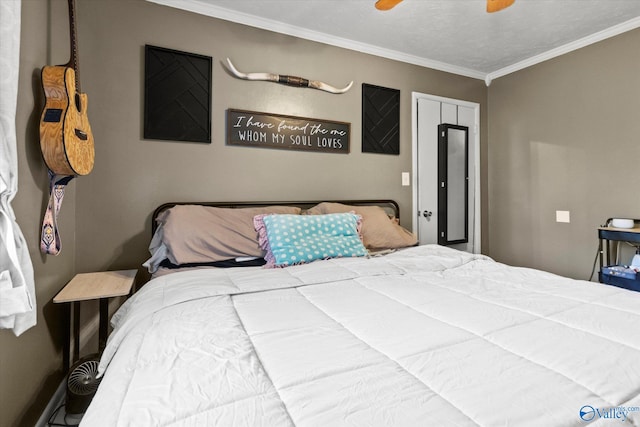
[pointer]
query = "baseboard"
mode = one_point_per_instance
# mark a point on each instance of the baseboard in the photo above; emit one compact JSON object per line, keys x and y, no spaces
{"x":56,"y":400}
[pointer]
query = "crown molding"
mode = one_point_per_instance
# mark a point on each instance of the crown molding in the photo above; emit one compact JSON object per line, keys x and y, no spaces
{"x":632,"y":24}
{"x":208,"y":9}
{"x":211,"y":10}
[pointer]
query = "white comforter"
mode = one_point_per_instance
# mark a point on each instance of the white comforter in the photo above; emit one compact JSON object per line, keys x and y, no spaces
{"x":426,"y":336}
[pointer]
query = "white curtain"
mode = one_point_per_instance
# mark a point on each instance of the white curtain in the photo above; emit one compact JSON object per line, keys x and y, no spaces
{"x":17,"y":291}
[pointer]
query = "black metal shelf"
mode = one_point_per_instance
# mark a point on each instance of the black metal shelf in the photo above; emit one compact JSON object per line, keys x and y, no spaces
{"x":607,"y":235}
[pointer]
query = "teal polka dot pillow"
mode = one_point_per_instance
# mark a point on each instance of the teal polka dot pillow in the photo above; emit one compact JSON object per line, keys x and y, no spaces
{"x":297,"y":239}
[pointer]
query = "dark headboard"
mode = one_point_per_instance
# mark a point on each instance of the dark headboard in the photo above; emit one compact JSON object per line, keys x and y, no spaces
{"x":390,"y":206}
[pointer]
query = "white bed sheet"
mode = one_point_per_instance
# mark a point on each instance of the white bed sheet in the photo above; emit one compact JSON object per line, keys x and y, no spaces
{"x":426,"y":336}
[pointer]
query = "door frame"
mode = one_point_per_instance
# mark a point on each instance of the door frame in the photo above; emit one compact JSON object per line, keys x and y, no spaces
{"x":477,"y":220}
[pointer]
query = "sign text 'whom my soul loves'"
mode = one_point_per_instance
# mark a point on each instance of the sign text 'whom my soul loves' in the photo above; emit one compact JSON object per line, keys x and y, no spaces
{"x":253,"y":129}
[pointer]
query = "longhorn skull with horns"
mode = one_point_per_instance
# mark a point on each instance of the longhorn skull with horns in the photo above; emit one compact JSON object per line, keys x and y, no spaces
{"x":287,"y":80}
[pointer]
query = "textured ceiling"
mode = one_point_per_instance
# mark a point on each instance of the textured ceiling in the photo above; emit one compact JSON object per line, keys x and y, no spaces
{"x":451,"y":35}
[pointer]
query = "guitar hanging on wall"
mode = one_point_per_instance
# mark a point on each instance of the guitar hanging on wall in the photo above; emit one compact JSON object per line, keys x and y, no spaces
{"x":66,"y":140}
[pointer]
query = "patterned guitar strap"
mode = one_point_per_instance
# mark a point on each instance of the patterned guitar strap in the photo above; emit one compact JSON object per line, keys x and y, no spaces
{"x":50,"y":242}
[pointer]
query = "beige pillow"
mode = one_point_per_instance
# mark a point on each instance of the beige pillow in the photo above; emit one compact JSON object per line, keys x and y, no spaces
{"x":378,"y":230}
{"x":196,"y":234}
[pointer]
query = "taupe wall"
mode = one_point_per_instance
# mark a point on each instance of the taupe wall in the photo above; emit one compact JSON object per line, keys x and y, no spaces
{"x":105,"y":217}
{"x":31,"y":365}
{"x":564,"y":135}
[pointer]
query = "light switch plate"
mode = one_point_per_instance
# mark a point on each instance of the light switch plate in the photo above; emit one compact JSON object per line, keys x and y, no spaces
{"x":406,"y":179}
{"x":563,"y":216}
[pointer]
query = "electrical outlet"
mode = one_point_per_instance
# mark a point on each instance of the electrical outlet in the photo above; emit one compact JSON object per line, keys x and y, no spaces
{"x":406,"y":179}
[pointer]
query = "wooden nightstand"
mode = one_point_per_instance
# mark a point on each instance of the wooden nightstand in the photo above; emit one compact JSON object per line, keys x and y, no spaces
{"x":90,"y":286}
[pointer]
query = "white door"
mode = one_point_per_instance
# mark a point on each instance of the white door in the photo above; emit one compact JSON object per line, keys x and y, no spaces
{"x":429,"y":112}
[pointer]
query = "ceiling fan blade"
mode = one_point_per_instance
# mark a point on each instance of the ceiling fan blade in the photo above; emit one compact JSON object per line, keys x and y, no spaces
{"x":386,"y":4}
{"x":496,"y":5}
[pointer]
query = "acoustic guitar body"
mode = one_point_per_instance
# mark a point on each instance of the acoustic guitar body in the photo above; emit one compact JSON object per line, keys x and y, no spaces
{"x":66,"y":140}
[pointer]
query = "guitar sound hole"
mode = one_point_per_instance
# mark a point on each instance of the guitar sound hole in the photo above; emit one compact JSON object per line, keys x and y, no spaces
{"x":78,"y":103}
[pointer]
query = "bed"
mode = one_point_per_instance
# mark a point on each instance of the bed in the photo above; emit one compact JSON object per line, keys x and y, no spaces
{"x":408,"y":336}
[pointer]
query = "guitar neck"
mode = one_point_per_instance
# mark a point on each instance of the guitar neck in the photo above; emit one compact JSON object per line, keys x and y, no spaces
{"x":73,"y":61}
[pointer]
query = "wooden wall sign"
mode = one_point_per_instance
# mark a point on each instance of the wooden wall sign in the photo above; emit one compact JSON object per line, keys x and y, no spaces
{"x":253,"y":129}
